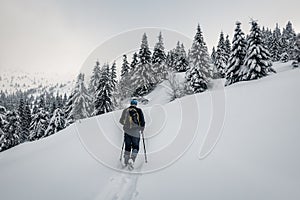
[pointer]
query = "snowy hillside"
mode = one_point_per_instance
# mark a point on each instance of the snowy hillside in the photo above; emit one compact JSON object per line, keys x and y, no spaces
{"x":13,"y":80}
{"x":255,"y":124}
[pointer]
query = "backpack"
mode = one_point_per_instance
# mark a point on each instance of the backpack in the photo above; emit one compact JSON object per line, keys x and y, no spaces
{"x":133,"y":118}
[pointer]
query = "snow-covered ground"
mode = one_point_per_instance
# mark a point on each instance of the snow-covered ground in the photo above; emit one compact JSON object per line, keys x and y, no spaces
{"x":241,"y":142}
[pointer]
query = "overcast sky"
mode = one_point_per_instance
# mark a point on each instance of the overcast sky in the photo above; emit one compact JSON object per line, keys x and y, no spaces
{"x":52,"y":36}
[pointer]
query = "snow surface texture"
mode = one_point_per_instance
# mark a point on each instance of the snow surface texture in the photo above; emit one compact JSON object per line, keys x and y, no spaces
{"x":256,"y":157}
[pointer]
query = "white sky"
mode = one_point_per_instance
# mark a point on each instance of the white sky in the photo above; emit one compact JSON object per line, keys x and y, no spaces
{"x":58,"y":35}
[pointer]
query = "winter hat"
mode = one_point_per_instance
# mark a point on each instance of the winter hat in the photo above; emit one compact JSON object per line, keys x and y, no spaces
{"x":133,"y":102}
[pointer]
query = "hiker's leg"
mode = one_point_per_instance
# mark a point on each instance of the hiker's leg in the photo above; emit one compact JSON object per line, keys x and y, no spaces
{"x":127,"y":139}
{"x":135,"y":147}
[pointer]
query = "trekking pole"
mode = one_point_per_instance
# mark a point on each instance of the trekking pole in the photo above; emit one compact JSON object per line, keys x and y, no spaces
{"x":145,"y":153}
{"x":122,"y":149}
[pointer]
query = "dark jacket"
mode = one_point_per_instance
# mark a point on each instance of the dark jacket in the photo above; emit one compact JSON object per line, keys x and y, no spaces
{"x":135,"y":130}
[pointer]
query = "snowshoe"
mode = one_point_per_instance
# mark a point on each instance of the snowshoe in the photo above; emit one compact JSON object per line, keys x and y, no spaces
{"x":130,"y":165}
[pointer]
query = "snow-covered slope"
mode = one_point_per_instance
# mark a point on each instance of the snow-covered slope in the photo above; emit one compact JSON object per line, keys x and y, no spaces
{"x":256,"y":157}
{"x":14,"y":80}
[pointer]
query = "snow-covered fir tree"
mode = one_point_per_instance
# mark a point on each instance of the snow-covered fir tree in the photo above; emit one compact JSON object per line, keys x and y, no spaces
{"x":200,"y":72}
{"x":296,"y":54}
{"x":52,"y":108}
{"x":49,"y":99}
{"x":39,"y":124}
{"x":236,"y":59}
{"x":94,"y":79}
{"x":171,"y":59}
{"x":288,"y":40}
{"x":159,"y":54}
{"x":134,"y":61}
{"x":12,"y":131}
{"x":59,"y":101}
{"x":257,"y":61}
{"x":276,"y":47}
{"x":213,"y":55}
{"x":266,"y":35}
{"x":25,"y":120}
{"x":159,"y":59}
{"x":227,"y":47}
{"x":41,"y":101}
{"x":3,"y":120}
{"x":114,"y":84}
{"x":103,"y":100}
{"x":124,"y":83}
{"x":180,"y":58}
{"x":3,"y":123}
{"x":113,"y":75}
{"x":65,"y":99}
{"x":79,"y":104}
{"x":221,"y":58}
{"x":184,"y":59}
{"x":143,"y":78}
{"x":125,"y":67}
{"x":57,"y":122}
{"x":144,"y":52}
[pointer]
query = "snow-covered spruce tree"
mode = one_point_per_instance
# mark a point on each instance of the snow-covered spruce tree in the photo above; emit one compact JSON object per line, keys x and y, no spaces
{"x":236,"y":59}
{"x":79,"y":104}
{"x":221,"y":58}
{"x":296,"y":63}
{"x":65,"y":99}
{"x":180,"y":58}
{"x":113,"y":75}
{"x":114,"y":84}
{"x":41,"y":101}
{"x":25,"y":120}
{"x":59,"y":101}
{"x":159,"y":59}
{"x":288,"y":40}
{"x":200,"y":72}
{"x":159,"y":54}
{"x":257,"y":61}
{"x":171,"y":59}
{"x":268,"y":39}
{"x":213,"y":55}
{"x":12,"y":131}
{"x":183,"y":60}
{"x":39,"y":124}
{"x":142,"y":79}
{"x":3,"y":120}
{"x":2,"y":140}
{"x":125,"y":67}
{"x":124,"y":83}
{"x":103,"y":100}
{"x":57,"y":122}
{"x":276,"y":46}
{"x":227,"y":47}
{"x":49,"y":99}
{"x":134,"y":62}
{"x":94,"y":79}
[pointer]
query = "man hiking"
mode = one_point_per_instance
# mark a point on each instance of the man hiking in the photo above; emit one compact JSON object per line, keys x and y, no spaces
{"x":133,"y":123}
